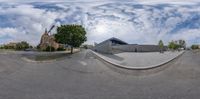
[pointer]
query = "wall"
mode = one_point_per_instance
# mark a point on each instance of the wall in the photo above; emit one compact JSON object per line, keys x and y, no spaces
{"x":126,"y":48}
{"x":104,"y":47}
{"x":137,"y":48}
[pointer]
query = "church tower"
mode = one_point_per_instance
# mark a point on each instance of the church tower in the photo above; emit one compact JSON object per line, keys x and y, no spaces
{"x":47,"y":40}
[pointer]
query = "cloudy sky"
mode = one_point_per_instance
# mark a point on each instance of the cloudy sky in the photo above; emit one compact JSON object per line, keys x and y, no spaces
{"x":134,"y":21}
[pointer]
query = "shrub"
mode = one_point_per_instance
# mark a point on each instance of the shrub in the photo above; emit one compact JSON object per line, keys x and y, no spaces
{"x":60,"y":49}
{"x":195,"y":47}
{"x":49,"y":48}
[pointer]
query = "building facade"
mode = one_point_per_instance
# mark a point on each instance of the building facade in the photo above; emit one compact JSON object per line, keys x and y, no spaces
{"x":115,"y":45}
{"x":48,"y":40}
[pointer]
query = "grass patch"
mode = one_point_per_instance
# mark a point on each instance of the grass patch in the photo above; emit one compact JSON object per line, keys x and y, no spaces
{"x":45,"y":56}
{"x":49,"y":57}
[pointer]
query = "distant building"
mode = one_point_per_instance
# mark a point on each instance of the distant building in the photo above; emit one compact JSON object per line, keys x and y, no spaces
{"x":86,"y":46}
{"x":48,"y":40}
{"x":115,"y":45}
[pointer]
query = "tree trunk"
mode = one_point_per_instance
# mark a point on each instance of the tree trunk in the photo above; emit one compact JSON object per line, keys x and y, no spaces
{"x":72,"y":50}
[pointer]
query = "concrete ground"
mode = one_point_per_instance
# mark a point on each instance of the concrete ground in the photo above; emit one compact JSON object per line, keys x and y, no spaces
{"x":81,"y":76}
{"x":146,"y":59}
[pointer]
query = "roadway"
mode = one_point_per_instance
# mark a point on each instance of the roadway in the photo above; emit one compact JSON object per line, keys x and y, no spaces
{"x":82,"y":76}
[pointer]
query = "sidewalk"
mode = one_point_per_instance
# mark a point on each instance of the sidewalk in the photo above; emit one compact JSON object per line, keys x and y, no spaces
{"x":139,"y":60}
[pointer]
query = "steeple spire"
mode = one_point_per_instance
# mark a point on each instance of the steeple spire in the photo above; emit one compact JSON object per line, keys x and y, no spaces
{"x":45,"y":31}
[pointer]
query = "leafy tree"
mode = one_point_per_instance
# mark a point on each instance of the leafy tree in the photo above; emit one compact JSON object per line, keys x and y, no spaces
{"x":177,"y":44}
{"x":5,"y":47}
{"x":161,"y":45}
{"x":30,"y":46}
{"x":18,"y":46}
{"x":195,"y":47}
{"x":182,"y":44}
{"x":38,"y":47}
{"x":173,"y":45}
{"x":22,"y":45}
{"x":25,"y":45}
{"x":73,"y":35}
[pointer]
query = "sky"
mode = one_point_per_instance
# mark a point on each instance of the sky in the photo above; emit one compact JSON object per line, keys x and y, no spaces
{"x":133,"y":21}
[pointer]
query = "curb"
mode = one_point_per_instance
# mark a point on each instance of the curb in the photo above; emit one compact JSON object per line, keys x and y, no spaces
{"x":136,"y":68}
{"x":45,"y":61}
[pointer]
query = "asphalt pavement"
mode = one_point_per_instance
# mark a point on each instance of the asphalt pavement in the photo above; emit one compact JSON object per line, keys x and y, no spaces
{"x":82,"y":76}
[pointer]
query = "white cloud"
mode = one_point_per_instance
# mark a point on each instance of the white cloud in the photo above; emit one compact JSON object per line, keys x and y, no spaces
{"x":29,"y":22}
{"x":188,"y":35}
{"x":180,"y":2}
{"x":134,"y":22}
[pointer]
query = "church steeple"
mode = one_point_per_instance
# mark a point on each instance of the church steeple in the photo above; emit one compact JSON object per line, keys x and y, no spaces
{"x":45,"y":31}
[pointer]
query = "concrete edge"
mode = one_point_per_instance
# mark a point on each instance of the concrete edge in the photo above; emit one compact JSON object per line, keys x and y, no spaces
{"x":44,"y":61}
{"x":136,"y":68}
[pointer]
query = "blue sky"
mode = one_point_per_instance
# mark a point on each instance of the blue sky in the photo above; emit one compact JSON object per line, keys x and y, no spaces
{"x":134,"y":21}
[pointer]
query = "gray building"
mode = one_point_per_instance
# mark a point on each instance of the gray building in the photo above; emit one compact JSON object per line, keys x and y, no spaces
{"x":115,"y":45}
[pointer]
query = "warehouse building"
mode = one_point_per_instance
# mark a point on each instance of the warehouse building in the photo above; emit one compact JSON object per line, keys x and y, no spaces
{"x":115,"y":45}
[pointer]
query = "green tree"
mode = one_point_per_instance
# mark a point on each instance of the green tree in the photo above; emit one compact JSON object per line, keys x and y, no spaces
{"x":30,"y":46}
{"x":182,"y":44}
{"x":173,"y":45}
{"x":73,"y":35}
{"x":195,"y":47}
{"x":25,"y":45}
{"x":38,"y":47}
{"x":22,"y":45}
{"x":161,"y":46}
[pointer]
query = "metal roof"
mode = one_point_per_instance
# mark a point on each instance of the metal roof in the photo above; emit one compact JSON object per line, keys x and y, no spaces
{"x":115,"y":40}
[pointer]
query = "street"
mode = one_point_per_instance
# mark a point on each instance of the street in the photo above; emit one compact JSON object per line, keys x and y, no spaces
{"x":82,"y":76}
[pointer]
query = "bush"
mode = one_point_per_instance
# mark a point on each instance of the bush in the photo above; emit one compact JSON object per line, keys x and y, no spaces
{"x":60,"y":49}
{"x":48,"y":49}
{"x":38,"y":46}
{"x":195,"y":47}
